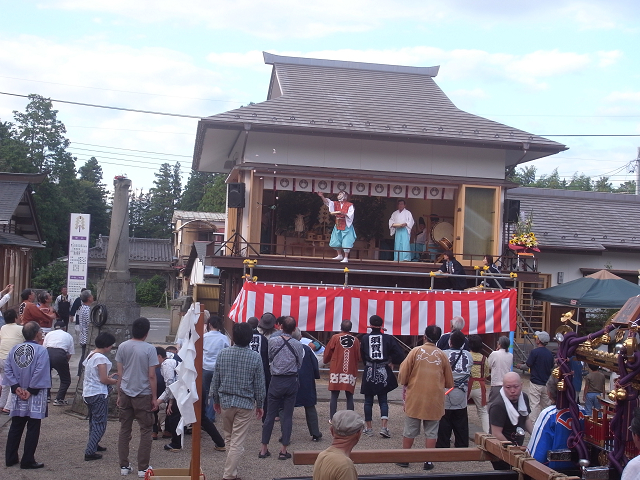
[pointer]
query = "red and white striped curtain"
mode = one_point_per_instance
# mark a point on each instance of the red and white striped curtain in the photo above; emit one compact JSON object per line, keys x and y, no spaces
{"x":321,"y":308}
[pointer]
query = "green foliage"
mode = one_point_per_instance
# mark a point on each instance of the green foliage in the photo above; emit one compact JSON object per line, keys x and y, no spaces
{"x":194,"y":190}
{"x":580,"y":182}
{"x":13,"y":153}
{"x":523,"y":176}
{"x":627,"y":187}
{"x":526,"y":177}
{"x":164,"y":197}
{"x":92,"y":195}
{"x":215,"y":196}
{"x":51,"y":277}
{"x":149,"y":293}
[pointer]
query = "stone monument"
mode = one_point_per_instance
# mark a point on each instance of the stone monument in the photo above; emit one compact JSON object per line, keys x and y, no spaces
{"x":115,"y":291}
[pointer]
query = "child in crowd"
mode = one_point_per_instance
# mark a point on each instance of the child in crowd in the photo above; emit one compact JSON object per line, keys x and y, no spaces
{"x":593,"y":386}
{"x":95,"y":392}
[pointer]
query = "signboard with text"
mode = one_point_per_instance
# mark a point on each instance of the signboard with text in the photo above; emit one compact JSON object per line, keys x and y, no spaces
{"x":78,"y":254}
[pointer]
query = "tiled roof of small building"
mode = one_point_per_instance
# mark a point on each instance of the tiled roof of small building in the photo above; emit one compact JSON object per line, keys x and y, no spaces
{"x":140,"y":249}
{"x":577,"y":220}
{"x":204,"y":216}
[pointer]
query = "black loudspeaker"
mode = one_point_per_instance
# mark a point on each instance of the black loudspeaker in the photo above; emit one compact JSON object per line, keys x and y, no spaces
{"x":235,"y":195}
{"x":512,"y":211}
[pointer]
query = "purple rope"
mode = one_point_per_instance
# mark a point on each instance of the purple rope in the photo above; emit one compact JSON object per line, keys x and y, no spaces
{"x":567,"y":397}
{"x":628,"y":370}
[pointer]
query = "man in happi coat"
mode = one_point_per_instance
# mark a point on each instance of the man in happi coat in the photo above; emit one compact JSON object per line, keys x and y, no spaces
{"x":343,"y":235}
{"x":342,"y":353}
{"x":379,"y":351}
{"x":26,"y":372}
{"x":425,"y":374}
{"x":400,"y":225}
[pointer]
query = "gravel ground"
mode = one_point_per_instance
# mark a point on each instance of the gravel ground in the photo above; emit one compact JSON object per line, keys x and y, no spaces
{"x":64,"y":435}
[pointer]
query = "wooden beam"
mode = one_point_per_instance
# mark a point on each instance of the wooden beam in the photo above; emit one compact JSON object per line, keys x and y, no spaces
{"x":414,"y":455}
{"x":517,"y":457}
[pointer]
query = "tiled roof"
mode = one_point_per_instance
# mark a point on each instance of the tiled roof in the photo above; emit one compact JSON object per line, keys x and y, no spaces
{"x":204,"y":216}
{"x":350,"y":97}
{"x":577,"y":220}
{"x":10,"y":196}
{"x":18,"y":241}
{"x":201,"y":249}
{"x":140,"y":249}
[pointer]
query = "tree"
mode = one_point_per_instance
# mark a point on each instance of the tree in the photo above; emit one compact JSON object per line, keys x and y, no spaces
{"x":194,"y":190}
{"x":139,"y":218}
{"x":627,"y":187}
{"x":93,"y":198}
{"x":580,"y":182}
{"x":551,"y":181}
{"x":164,"y":197}
{"x":13,"y":153}
{"x":603,"y":185}
{"x":215,"y":196}
{"x":43,"y":134}
{"x":523,"y":176}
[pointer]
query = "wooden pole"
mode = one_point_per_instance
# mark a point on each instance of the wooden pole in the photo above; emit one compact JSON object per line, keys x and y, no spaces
{"x":196,"y":432}
{"x":404,"y":455}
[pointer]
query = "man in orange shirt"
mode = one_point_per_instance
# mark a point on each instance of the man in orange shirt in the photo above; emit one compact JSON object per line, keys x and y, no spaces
{"x":30,"y":311}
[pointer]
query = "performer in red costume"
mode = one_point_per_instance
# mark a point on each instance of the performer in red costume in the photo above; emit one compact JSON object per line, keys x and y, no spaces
{"x":343,"y":236}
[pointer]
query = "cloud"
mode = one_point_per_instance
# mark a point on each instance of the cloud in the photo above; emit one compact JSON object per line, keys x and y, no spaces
{"x":313,"y":18}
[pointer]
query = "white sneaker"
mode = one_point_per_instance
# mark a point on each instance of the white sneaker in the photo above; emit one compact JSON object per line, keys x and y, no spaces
{"x":142,"y":473}
{"x":368,"y":432}
{"x":339,"y":257}
{"x":125,"y":470}
{"x":384,"y":432}
{"x":346,"y":260}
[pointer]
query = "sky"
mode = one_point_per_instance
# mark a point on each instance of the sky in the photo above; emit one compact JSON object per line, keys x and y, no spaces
{"x":553,"y":67}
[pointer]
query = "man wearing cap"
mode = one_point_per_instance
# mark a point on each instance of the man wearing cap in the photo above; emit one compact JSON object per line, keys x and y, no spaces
{"x":334,"y":462}
{"x":267,"y":324}
{"x":343,"y":235}
{"x":59,"y":345}
{"x":540,"y":363}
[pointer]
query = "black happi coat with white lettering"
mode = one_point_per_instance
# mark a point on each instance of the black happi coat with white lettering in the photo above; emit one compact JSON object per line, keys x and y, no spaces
{"x":379,"y":350}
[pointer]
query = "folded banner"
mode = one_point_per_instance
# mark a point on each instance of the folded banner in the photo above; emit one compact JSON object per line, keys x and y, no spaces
{"x":322,"y":308}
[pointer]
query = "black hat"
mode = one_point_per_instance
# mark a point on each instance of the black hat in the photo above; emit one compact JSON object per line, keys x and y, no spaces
{"x":267,"y":321}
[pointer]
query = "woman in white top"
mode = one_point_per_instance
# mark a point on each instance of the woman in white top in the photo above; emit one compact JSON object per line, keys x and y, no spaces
{"x":95,"y":392}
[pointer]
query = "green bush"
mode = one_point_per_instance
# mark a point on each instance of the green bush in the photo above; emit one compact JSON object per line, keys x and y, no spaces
{"x":149,"y":293}
{"x":51,"y":277}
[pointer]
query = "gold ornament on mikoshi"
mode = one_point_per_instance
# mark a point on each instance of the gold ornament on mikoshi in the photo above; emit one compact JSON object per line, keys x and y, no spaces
{"x":556,"y":373}
{"x":621,"y":394}
{"x":561,"y":386}
{"x":606,"y":339}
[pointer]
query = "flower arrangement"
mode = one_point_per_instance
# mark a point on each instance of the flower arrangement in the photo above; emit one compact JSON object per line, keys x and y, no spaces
{"x":524,"y":237}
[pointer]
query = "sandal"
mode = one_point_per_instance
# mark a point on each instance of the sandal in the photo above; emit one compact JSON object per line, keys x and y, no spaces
{"x":284,"y":456}
{"x":266,"y":454}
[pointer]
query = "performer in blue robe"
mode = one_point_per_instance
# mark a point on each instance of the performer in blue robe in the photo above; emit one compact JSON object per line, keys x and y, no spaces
{"x":400,"y":225}
{"x":27,"y":373}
